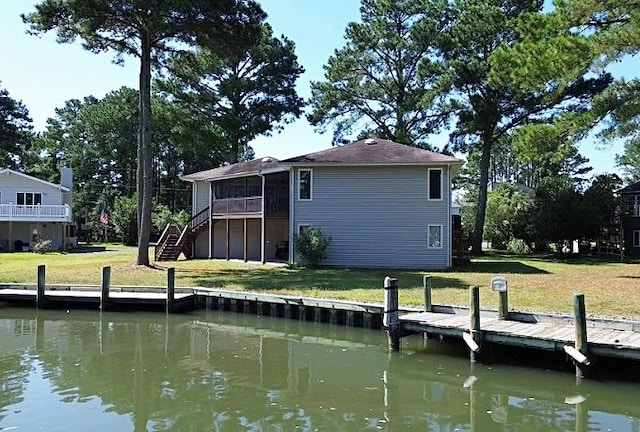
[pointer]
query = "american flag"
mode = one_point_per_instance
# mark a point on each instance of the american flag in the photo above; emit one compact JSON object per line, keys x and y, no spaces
{"x":104,"y":217}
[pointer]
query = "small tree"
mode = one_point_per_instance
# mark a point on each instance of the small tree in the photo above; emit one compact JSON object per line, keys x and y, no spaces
{"x":311,"y":245}
{"x":162,"y":216}
{"x":124,"y":218}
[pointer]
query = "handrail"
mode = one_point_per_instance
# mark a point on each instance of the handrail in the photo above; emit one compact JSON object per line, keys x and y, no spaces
{"x":161,"y":243}
{"x":201,"y":216}
{"x":52,"y":212}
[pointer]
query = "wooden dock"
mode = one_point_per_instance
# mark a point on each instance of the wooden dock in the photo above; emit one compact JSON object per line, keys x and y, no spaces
{"x":575,"y":336}
{"x":613,"y":339}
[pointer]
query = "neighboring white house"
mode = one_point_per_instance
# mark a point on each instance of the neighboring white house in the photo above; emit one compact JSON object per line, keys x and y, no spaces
{"x":382,"y":203}
{"x":33,"y":210}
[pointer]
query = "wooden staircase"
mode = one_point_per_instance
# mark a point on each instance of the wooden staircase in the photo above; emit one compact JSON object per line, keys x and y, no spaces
{"x":174,"y":241}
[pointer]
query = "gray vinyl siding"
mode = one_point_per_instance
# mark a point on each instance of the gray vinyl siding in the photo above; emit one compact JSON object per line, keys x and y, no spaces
{"x":200,"y":196}
{"x":377,"y":216}
{"x":202,"y":244}
{"x":11,"y":184}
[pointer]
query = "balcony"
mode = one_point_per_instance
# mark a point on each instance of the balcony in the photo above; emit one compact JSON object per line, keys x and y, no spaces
{"x":236,"y":206}
{"x":35,"y":213}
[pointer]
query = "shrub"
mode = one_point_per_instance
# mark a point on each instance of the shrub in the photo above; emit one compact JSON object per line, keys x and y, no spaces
{"x":43,"y":246}
{"x":125,"y":219}
{"x":311,"y":246}
{"x":518,"y":246}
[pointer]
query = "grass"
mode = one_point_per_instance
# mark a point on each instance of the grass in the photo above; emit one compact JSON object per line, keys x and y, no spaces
{"x":535,"y":283}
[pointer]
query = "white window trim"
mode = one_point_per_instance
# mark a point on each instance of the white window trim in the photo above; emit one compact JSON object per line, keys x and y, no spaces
{"x":429,"y":184}
{"x":635,"y":234}
{"x":33,"y":197}
{"x":310,"y":184}
{"x":441,"y":236}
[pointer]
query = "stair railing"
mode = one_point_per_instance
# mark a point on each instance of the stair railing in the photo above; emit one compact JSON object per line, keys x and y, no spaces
{"x":164,"y":240}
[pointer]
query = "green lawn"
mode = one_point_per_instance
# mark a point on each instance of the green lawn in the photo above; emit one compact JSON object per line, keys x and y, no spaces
{"x":535,"y":284}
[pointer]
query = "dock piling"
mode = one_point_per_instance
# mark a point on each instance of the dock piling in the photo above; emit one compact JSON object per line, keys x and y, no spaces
{"x":171,"y":289}
{"x":503,"y":306}
{"x":106,"y":284}
{"x":390,"y":320}
{"x":581,"y":345}
{"x":474,"y":322}
{"x":41,"y":300}
{"x":426,"y":283}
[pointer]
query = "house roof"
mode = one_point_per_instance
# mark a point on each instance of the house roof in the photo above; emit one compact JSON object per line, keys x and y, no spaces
{"x":7,"y":171}
{"x":364,"y":152}
{"x":241,"y":169}
{"x":632,"y":188}
{"x":373,"y":152}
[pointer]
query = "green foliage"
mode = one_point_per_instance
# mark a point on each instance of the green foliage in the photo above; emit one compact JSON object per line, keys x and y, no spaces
{"x":311,"y":245}
{"x":507,"y":211}
{"x":162,"y":216}
{"x":518,"y":247}
{"x":602,"y":212}
{"x":15,"y":131}
{"x":578,"y":37}
{"x":241,"y":96}
{"x":563,"y":213}
{"x":43,"y":246}
{"x":148,"y":31}
{"x":124,"y":218}
{"x":489,"y":108}
{"x":388,"y":79}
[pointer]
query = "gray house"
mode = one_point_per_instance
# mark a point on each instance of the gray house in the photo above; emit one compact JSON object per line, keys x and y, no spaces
{"x":383,"y":204}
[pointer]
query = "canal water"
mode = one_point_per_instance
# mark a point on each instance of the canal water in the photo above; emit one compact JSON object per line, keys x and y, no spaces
{"x":217,"y":371}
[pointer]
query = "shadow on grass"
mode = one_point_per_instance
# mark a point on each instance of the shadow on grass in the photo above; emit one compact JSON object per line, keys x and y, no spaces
{"x":87,"y":249}
{"x":314,"y":279}
{"x":498,"y":267}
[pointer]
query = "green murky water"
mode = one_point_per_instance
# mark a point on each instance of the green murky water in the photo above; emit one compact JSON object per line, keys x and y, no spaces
{"x":213,"y":371}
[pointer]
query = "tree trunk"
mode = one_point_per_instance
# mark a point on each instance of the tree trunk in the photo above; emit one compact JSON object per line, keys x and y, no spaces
{"x":481,"y":208}
{"x":144,"y":153}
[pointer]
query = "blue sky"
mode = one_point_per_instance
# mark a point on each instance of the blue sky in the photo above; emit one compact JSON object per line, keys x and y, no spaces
{"x":44,"y":74}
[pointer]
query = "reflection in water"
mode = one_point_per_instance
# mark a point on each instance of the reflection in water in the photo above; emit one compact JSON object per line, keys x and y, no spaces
{"x":216,"y":371}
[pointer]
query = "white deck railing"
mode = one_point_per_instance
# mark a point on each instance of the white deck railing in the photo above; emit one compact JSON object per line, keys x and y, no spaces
{"x":35,"y":213}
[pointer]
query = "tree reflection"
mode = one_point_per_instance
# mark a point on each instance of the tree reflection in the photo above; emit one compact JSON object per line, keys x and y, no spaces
{"x":217,"y":372}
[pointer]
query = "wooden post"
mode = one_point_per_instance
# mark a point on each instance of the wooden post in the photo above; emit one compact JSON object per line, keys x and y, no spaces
{"x":390,"y":317}
{"x":333,"y":316}
{"x":366,"y":320}
{"x":302,"y":312}
{"x":580,"y":322}
{"x":474,"y":324}
{"x":245,"y":241}
{"x":106,"y":284}
{"x":349,"y":318}
{"x":171,"y":289}
{"x":317,"y":315}
{"x":41,"y":300}
{"x":503,"y":306}
{"x":426,"y":283}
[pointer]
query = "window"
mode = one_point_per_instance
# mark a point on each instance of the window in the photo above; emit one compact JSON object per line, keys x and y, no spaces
{"x":221,"y":189}
{"x":254,"y":187}
{"x":305,"y":180}
{"x":435,"y":183}
{"x":28,"y":198}
{"x":434,"y":236}
{"x":302,"y":228}
{"x":636,"y":238}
